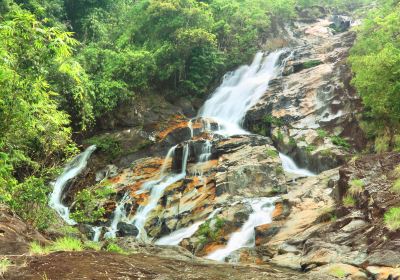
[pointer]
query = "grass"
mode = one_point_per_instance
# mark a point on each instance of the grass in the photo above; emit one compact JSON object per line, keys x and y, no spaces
{"x":356,"y":186}
{"x":341,"y":142}
{"x":396,"y":186}
{"x":61,"y":244}
{"x":392,"y":218}
{"x":67,"y":244}
{"x":337,"y":272}
{"x":310,"y":148}
{"x":114,"y":248}
{"x":311,"y":63}
{"x":37,"y":249}
{"x":4,"y":265}
{"x":91,"y":245}
{"x":322,"y":133}
{"x":272,"y":153}
{"x":279,"y":170}
{"x":349,"y":201}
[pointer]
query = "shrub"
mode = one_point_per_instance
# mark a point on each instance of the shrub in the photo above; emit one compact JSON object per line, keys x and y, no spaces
{"x":392,"y":218}
{"x":209,"y":231}
{"x":310,"y":148}
{"x":341,"y":142}
{"x":108,"y":145}
{"x":271,"y":120}
{"x":356,"y":186}
{"x":86,"y":208}
{"x":349,"y":201}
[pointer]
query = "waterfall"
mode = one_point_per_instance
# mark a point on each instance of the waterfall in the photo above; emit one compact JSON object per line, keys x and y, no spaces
{"x":96,"y":233}
{"x":205,"y":151}
{"x":177,"y":236}
{"x":157,"y":189}
{"x":119,"y":214}
{"x":71,"y":170}
{"x":239,"y":91}
{"x":290,"y":166}
{"x":245,"y":237}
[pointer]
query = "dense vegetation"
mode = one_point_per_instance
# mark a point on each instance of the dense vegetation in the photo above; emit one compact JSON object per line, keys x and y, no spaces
{"x":65,"y":63}
{"x":375,"y":60}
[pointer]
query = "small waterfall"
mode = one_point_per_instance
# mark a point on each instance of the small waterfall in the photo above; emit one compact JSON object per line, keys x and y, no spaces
{"x":97,"y":233}
{"x":190,"y":126}
{"x":73,"y":169}
{"x":290,"y":167}
{"x":119,"y":214}
{"x":165,"y":164}
{"x":245,"y":237}
{"x":157,"y":189}
{"x":177,"y":236}
{"x":239,"y":91}
{"x":205,"y":151}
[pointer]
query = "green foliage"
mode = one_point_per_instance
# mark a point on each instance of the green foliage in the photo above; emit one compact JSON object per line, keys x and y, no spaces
{"x":210,"y":230}
{"x":279,"y":170}
{"x":86,"y":207}
{"x":392,"y":218}
{"x":375,"y":60}
{"x":311,"y":63}
{"x":349,"y":201}
{"x":5,"y":263}
{"x":271,"y":120}
{"x":310,"y":148}
{"x":37,"y":249}
{"x":396,"y":186}
{"x":322,"y":133}
{"x":382,"y":144}
{"x":337,"y":272}
{"x":272,"y":153}
{"x":341,"y":142}
{"x":108,"y":145}
{"x":66,"y":244}
{"x":112,"y":247}
{"x":61,"y":244}
{"x":356,"y":186}
{"x":92,"y":245}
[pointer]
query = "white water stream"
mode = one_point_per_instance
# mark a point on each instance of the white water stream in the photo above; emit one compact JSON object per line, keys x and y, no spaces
{"x":177,"y":236}
{"x":290,"y":166}
{"x":239,"y":91}
{"x":262,"y":214}
{"x":71,"y":170}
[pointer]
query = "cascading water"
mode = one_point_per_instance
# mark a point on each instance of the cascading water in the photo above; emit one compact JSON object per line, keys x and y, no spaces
{"x":245,"y":237}
{"x":96,"y":233}
{"x":157,"y":189}
{"x":239,"y":91}
{"x":119,"y":214}
{"x":177,"y":236}
{"x":290,"y":166}
{"x":72,"y":169}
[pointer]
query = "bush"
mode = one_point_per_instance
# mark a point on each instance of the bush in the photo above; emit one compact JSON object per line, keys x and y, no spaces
{"x":107,"y":145}
{"x":382,"y":144}
{"x":392,"y":218}
{"x":210,"y":230}
{"x":86,"y":207}
{"x":322,"y":133}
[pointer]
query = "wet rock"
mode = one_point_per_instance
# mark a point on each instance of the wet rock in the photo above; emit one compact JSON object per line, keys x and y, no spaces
{"x":107,"y":172}
{"x":125,"y":229}
{"x":340,"y":23}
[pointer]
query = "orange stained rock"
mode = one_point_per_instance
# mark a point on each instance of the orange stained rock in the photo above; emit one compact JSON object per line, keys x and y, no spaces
{"x":262,"y":228}
{"x":115,"y":180}
{"x":278,"y":210}
{"x":177,"y":123}
{"x":211,"y":247}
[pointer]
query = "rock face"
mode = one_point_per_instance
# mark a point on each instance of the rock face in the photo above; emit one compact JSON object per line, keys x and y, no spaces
{"x":312,"y":102}
{"x":16,"y":235}
{"x":309,"y":112}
